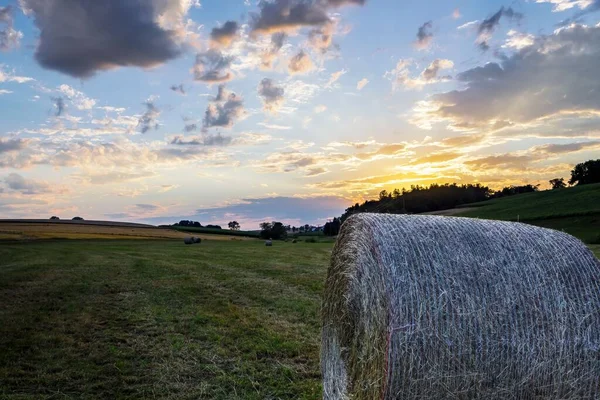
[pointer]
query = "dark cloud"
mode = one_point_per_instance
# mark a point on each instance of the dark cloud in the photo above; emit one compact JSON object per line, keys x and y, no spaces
{"x":212,"y":67}
{"x":190,"y":127}
{"x":178,"y":89}
{"x":250,"y":212}
{"x":148,"y":120}
{"x":224,"y":110}
{"x":550,"y":78}
{"x":277,"y":42}
{"x":83,"y":37}
{"x":224,"y":35}
{"x":487,"y":27}
{"x":289,"y":15}
{"x":271,"y":94}
{"x":300,"y":63}
{"x":203,"y":140}
{"x":424,"y":36}
{"x":59,"y":104}
{"x":9,"y":37}
{"x":7,"y":144}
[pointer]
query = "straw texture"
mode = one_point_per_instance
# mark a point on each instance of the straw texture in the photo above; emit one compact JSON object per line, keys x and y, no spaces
{"x":429,"y":307}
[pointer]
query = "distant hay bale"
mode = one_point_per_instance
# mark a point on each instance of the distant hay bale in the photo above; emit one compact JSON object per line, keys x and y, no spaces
{"x":189,"y":240}
{"x":268,"y":243}
{"x":294,"y":241}
{"x":430,"y":307}
{"x":197,"y":239}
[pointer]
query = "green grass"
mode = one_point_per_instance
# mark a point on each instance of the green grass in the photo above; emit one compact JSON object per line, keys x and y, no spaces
{"x":574,"y":210}
{"x":122,"y":319}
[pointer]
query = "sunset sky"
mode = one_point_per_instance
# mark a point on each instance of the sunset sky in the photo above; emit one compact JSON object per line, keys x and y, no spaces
{"x":291,"y":110}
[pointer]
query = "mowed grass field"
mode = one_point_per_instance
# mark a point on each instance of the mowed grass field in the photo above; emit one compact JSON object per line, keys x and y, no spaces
{"x":59,"y":230}
{"x":125,"y":319}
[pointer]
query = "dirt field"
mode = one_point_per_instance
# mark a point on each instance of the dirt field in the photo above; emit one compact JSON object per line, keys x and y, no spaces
{"x":52,"y":230}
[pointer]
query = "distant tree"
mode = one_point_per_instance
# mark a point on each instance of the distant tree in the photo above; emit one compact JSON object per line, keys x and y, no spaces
{"x":557,"y":183}
{"x":77,"y":219}
{"x":273,"y":230}
{"x":332,"y":228}
{"x":265,"y":226}
{"x":234,"y":226}
{"x":213,"y":226}
{"x":54,"y":217}
{"x":586,"y":173}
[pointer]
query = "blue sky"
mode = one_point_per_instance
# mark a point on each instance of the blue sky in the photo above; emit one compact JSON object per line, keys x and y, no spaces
{"x":288,"y":109}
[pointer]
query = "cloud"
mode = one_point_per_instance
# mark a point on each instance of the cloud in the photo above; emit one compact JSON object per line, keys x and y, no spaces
{"x":487,"y":26}
{"x":271,"y":95}
{"x":8,"y":144}
{"x":563,"y":5}
{"x":587,"y":7}
{"x":224,"y":110}
{"x":250,"y":212}
{"x":430,"y":73}
{"x":223,"y":36}
{"x":212,"y":67}
{"x":290,"y":15}
{"x":424,"y":36}
{"x":108,"y":33}
{"x":18,"y":183}
{"x":362,"y":83}
{"x":320,"y":109}
{"x":300,"y":63}
{"x":59,"y":104}
{"x":269,"y":56}
{"x":334,"y":77}
{"x":79,"y":99}
{"x":517,"y":40}
{"x":549,"y":79}
{"x":321,"y":39}
{"x":148,"y":120}
{"x":178,"y":89}
{"x":9,"y":76}
{"x":9,"y":37}
{"x":300,"y":92}
{"x":401,"y":75}
{"x":468,"y":25}
{"x":203,"y":140}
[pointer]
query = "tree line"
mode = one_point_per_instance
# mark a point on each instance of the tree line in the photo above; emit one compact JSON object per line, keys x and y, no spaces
{"x":436,"y":197}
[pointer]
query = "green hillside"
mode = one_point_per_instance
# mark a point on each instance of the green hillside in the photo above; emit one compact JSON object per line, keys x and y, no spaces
{"x":575,"y":210}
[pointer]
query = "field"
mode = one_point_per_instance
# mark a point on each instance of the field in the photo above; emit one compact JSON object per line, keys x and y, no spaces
{"x":575,"y":210}
{"x":23,"y":230}
{"x":155,"y":318}
{"x":227,"y":319}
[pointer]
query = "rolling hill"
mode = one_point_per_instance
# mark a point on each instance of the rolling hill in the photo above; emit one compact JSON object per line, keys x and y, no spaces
{"x":574,"y":210}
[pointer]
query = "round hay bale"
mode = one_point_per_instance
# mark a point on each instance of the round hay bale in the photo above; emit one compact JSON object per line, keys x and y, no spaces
{"x":294,"y":241}
{"x":197,"y":240}
{"x":430,"y":307}
{"x":268,"y":243}
{"x":188,"y":240}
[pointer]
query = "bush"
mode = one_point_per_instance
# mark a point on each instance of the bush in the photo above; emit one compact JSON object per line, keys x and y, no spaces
{"x":311,"y":240}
